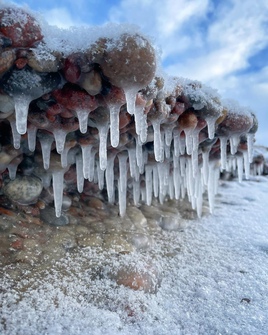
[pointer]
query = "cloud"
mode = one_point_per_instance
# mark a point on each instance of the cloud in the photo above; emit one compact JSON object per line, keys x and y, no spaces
{"x":60,"y":17}
{"x":210,"y":42}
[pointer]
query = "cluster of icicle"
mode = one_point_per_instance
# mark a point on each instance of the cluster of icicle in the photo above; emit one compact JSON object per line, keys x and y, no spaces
{"x":103,"y":110}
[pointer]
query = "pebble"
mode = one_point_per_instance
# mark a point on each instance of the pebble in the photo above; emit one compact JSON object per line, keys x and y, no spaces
{"x":49,"y":217}
{"x":170,"y":222}
{"x":23,"y":190}
{"x":140,"y":241}
{"x":117,"y":243}
{"x":147,"y":279}
{"x":136,"y":217}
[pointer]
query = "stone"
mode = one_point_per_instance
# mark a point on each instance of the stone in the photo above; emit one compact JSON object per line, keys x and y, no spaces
{"x":23,"y":190}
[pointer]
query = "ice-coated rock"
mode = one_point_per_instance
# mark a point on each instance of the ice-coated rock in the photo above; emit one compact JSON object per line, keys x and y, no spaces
{"x":24,"y":190}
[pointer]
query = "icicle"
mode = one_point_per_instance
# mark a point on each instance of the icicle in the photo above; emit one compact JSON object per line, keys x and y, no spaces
{"x":141,"y":123}
{"x":46,"y":179}
{"x":155,"y":180}
{"x":100,"y":174}
{"x":122,"y":182}
{"x":246,"y":164}
{"x":211,"y":121}
{"x":211,"y":186}
{"x":179,"y":144}
{"x":139,"y":153}
{"x":205,"y":166}
{"x":103,"y":133}
{"x":122,"y":157}
{"x":22,"y":103}
{"x":167,"y":150}
{"x":32,"y":130}
{"x":145,"y":161}
{"x":148,"y":184}
{"x":130,"y":95}
{"x":168,"y":130}
{"x":260,"y":169}
{"x":114,"y":124}
{"x":158,"y":147}
{"x":79,"y":173}
{"x":109,"y":176}
{"x":46,"y":142}
{"x":92,"y":165}
{"x":16,"y":136}
{"x":82,"y":116}
{"x":57,"y":177}
{"x":234,"y":141}
{"x":60,"y":136}
{"x":161,"y":175}
{"x":189,"y":140}
{"x":240,"y":168}
{"x":199,"y":195}
{"x":87,"y":157}
{"x":223,"y":141}
{"x":144,"y":126}
{"x":134,"y":172}
{"x":136,"y":192}
{"x":250,"y":142}
{"x":194,"y":161}
{"x":64,"y":157}
{"x":177,"y":180}
{"x":182,"y":161}
{"x":171,"y":187}
{"x":189,"y":180}
{"x":234,"y":164}
{"x":121,"y":200}
{"x":12,"y":170}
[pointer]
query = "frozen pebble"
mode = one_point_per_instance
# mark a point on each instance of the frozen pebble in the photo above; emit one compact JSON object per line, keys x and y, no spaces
{"x":146,"y":279}
{"x":170,"y":222}
{"x":66,"y":202}
{"x":117,"y":243}
{"x":24,"y":190}
{"x":136,"y":216}
{"x":140,"y":241}
{"x":49,"y":217}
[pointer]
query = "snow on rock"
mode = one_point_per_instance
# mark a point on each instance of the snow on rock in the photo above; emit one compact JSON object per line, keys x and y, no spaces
{"x":101,"y":90}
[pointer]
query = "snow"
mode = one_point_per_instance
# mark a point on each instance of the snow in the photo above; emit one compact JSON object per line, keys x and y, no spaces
{"x":213,"y":270}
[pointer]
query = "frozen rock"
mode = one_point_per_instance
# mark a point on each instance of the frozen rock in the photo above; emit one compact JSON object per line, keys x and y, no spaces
{"x":24,"y":190}
{"x":48,"y":216}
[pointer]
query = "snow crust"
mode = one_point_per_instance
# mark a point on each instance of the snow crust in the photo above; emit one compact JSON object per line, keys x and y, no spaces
{"x":213,"y":271}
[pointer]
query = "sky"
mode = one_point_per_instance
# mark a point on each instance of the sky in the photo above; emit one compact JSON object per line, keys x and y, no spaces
{"x":223,"y":44}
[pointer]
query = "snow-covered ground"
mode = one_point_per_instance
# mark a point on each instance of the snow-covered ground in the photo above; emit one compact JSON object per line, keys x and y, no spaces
{"x":213,"y":274}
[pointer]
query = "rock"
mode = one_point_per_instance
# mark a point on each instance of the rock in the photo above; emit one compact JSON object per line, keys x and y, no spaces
{"x":49,"y":217}
{"x":129,"y":61}
{"x":170,"y":222}
{"x":147,"y":279}
{"x":140,"y":241}
{"x":20,"y":27}
{"x":136,"y":216}
{"x":117,"y":243}
{"x":24,"y":190}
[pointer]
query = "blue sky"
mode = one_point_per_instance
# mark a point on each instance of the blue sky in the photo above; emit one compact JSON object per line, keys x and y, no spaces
{"x":224,"y":43}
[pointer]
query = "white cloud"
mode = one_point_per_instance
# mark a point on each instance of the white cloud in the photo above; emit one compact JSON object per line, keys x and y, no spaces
{"x":60,"y":17}
{"x":209,"y":41}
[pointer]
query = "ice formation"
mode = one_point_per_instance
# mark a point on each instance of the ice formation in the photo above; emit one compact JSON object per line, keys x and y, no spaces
{"x":94,"y":100}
